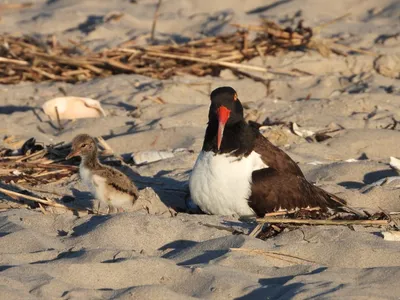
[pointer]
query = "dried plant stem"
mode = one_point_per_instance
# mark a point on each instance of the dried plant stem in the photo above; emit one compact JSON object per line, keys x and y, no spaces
{"x":106,"y":146}
{"x":15,"y":5}
{"x":13,"y":61}
{"x":256,"y":230}
{"x":322,"y":222}
{"x":155,"y":18}
{"x":37,"y":165}
{"x":323,"y":25}
{"x":287,"y":212}
{"x":211,"y":62}
{"x":60,"y":127}
{"x":272,"y":254}
{"x":35,"y":199}
{"x":34,"y":154}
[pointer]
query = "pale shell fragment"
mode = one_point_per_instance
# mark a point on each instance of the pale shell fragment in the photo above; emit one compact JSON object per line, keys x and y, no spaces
{"x":301,"y":131}
{"x":70,"y":108}
{"x":391,"y":235}
{"x":395,"y":163}
{"x":145,"y":157}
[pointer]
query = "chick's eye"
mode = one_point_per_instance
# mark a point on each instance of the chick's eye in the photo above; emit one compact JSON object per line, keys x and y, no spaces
{"x":83,"y":145}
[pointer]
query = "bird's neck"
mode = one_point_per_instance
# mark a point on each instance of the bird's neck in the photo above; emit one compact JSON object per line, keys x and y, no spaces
{"x":90,"y":160}
{"x":238,"y":139}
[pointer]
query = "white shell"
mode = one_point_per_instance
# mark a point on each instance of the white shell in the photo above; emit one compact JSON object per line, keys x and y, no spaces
{"x":142,"y":157}
{"x":395,"y":163}
{"x":70,"y":108}
{"x":391,"y":235}
{"x":301,"y":131}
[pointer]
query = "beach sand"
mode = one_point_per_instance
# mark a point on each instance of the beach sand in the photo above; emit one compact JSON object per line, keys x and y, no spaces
{"x":156,"y":255}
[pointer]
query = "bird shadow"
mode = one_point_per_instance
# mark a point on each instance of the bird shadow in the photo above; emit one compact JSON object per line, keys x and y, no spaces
{"x":277,"y":287}
{"x":90,"y":225}
{"x":186,"y":252}
{"x":369,"y":178}
{"x":176,"y":247}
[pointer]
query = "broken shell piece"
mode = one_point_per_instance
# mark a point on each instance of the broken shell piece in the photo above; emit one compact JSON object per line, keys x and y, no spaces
{"x":69,"y":108}
{"x":395,"y":163}
{"x":301,"y":131}
{"x":145,"y":157}
{"x":391,"y":235}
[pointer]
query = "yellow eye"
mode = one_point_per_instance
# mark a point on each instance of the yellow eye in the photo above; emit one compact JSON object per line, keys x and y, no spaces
{"x":235,"y":97}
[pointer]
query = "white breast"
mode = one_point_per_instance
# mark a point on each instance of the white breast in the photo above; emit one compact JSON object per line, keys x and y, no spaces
{"x":96,"y":184}
{"x":221,"y":184}
{"x":86,"y":176}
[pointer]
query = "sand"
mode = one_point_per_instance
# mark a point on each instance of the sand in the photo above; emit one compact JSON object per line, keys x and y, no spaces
{"x":141,"y":255}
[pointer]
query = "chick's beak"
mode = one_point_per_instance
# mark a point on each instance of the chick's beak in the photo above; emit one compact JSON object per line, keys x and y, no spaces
{"x":73,"y":153}
{"x":223,"y":116}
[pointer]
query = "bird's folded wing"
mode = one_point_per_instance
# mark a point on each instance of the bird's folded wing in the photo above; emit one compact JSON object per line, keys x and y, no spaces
{"x":274,"y":157}
{"x":118,"y":180}
{"x":273,"y":190}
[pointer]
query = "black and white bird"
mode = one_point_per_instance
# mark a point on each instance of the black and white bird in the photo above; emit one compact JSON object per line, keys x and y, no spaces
{"x":239,"y":172}
{"x":107,"y":184}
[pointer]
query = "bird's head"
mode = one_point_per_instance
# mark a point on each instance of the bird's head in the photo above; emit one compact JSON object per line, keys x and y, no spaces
{"x":225,"y":109}
{"x":83,"y":145}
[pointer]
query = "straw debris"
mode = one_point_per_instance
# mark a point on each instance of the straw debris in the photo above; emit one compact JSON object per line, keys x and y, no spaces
{"x":29,"y":58}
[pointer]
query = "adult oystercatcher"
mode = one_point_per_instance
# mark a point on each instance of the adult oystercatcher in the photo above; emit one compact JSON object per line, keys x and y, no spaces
{"x":240,"y":172}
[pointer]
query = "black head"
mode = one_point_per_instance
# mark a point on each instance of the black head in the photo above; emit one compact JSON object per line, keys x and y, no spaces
{"x":82,"y":145}
{"x":225,"y":109}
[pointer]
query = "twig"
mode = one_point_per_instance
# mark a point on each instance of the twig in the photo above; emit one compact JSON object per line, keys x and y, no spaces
{"x":34,"y":154}
{"x":271,"y":254}
{"x":155,"y":18}
{"x":256,"y":230}
{"x":287,"y":212}
{"x":323,"y":25}
{"x":13,"y":61}
{"x":336,"y":46}
{"x":42,"y":209}
{"x":210,"y":62}
{"x":15,"y":5}
{"x":106,"y":147}
{"x":37,"y":165}
{"x":278,"y":213}
{"x":322,"y":222}
{"x":35,"y":199}
{"x":60,"y":127}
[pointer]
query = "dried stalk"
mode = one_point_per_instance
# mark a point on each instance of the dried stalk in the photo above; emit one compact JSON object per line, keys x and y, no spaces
{"x":210,"y":62}
{"x":272,"y":254}
{"x":30,"y":59}
{"x":322,"y":222}
{"x":13,"y":61}
{"x":156,"y":14}
{"x":38,"y":165}
{"x":13,"y":194}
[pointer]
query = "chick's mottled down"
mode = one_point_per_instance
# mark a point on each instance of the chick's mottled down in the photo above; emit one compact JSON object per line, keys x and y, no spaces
{"x":109,"y":185}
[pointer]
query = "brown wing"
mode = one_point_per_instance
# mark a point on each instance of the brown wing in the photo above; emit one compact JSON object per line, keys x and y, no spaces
{"x":274,"y":157}
{"x":118,"y":180}
{"x":272,"y":190}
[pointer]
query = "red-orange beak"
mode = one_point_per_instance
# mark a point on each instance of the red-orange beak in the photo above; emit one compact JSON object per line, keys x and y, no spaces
{"x":223,"y":116}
